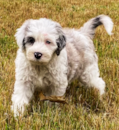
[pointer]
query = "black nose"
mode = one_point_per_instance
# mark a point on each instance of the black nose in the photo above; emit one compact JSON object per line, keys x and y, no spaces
{"x":37,"y":55}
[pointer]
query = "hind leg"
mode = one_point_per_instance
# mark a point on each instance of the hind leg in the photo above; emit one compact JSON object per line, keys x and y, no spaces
{"x":90,"y":78}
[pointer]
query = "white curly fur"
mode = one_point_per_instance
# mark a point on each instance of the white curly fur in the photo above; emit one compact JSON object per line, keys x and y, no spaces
{"x":53,"y":72}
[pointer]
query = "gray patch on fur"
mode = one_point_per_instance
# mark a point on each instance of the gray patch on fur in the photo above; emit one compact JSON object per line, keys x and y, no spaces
{"x":61,"y":41}
{"x":96,"y":22}
{"x":28,"y":40}
{"x":23,"y":44}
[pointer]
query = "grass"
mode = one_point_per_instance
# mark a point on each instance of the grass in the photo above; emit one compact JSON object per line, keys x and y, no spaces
{"x":85,"y":111}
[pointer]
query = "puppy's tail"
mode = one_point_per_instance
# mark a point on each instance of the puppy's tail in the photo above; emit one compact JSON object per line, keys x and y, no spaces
{"x":90,"y":26}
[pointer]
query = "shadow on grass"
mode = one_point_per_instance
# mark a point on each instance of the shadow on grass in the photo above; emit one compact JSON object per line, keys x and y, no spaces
{"x":88,"y":98}
{"x":77,"y":95}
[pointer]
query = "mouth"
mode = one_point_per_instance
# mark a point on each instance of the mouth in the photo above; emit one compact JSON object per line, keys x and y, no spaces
{"x":34,"y":62}
{"x":38,"y":62}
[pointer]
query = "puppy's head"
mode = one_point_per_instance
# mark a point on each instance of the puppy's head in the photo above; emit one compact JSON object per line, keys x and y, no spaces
{"x":40,"y":39}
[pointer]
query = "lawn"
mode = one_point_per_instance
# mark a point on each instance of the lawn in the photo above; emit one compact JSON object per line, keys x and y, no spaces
{"x":85,"y":110}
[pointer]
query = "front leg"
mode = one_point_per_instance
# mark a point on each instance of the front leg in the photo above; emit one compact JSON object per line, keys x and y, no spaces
{"x":56,"y":89}
{"x":23,"y":93}
{"x":59,"y":91}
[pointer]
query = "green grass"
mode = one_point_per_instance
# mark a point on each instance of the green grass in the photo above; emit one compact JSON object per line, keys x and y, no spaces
{"x":85,"y":110}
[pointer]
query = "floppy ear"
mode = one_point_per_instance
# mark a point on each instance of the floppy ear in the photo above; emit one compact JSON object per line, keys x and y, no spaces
{"x":20,"y":34}
{"x":61,"y":41}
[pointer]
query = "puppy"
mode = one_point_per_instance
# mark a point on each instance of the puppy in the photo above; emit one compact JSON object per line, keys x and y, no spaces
{"x":50,"y":57}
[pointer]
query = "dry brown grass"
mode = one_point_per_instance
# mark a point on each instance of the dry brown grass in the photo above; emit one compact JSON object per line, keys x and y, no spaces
{"x":85,"y":111}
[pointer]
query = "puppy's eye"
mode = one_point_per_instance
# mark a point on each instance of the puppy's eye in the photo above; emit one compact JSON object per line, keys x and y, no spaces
{"x":31,"y":40}
{"x":48,"y":42}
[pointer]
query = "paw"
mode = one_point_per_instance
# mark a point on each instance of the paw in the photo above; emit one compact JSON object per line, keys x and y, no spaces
{"x":17,"y":109}
{"x":101,"y":87}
